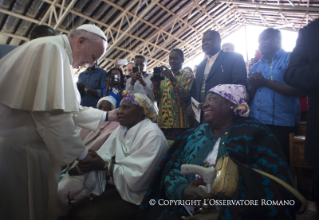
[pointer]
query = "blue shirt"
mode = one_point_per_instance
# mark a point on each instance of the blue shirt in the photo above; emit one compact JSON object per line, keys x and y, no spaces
{"x":5,"y":49}
{"x":115,"y":93}
{"x":95,"y":80}
{"x":268,"y":106}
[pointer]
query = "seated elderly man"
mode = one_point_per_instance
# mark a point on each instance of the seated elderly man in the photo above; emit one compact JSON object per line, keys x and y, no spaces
{"x":70,"y":187}
{"x":226,"y":132}
{"x":130,"y":155}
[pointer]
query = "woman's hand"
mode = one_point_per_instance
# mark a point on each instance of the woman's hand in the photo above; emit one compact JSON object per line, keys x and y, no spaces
{"x":96,"y":163}
{"x":193,"y":192}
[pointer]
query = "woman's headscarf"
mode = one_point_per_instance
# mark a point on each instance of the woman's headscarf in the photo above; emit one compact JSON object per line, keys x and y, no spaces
{"x":236,"y":94}
{"x":142,"y":101}
{"x":110,"y":99}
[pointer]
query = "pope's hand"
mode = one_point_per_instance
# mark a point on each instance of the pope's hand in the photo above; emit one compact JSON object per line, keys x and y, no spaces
{"x":112,"y":115}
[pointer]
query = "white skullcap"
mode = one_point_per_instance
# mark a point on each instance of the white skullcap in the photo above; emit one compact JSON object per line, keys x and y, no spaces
{"x":110,"y":99}
{"x":93,"y":29}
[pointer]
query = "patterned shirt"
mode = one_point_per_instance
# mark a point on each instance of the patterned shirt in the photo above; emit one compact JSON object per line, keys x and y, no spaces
{"x":173,"y":100}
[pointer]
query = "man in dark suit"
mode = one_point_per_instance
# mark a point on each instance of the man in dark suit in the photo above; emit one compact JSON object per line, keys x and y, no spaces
{"x":303,"y":73}
{"x":218,"y":68}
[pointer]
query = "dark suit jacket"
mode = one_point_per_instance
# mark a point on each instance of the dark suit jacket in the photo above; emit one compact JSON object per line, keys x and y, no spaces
{"x":303,"y":73}
{"x":229,"y":68}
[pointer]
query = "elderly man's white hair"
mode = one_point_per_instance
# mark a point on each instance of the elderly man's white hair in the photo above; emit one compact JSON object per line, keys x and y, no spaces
{"x":91,"y":32}
{"x":83,"y":33}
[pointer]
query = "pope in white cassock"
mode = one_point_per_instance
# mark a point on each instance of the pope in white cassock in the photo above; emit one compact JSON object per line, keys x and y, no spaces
{"x":39,"y":109}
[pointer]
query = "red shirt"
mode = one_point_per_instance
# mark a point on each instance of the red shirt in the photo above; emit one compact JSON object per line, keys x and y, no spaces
{"x":303,"y":104}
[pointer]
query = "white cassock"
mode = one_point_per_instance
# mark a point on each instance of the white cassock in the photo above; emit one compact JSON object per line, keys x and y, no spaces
{"x":138,"y":151}
{"x":39,"y":109}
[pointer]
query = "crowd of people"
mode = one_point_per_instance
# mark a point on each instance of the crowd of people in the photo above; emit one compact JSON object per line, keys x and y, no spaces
{"x":119,"y":127}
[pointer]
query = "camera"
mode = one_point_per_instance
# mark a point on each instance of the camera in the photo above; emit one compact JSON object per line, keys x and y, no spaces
{"x":112,"y":84}
{"x":135,"y":69}
{"x":157,"y":73}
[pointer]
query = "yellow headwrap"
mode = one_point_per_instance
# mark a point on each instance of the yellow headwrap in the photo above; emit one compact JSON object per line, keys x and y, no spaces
{"x":143,"y":101}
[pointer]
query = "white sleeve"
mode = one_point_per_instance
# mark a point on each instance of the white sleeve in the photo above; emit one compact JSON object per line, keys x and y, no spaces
{"x":106,"y":151}
{"x":149,"y":91}
{"x":128,"y":85}
{"x":103,"y":117}
{"x":57,"y":130}
{"x":135,"y":171}
{"x":89,"y":118}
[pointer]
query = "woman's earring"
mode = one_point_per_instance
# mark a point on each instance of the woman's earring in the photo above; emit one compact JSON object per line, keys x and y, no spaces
{"x":231,"y":107}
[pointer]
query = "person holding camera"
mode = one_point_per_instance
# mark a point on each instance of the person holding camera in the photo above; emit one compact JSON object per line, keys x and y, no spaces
{"x":172,"y":91}
{"x":115,"y":85}
{"x":140,"y":82}
{"x":122,"y":64}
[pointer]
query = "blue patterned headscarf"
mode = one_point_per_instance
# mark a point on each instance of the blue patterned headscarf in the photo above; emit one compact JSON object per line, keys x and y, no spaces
{"x":236,"y":94}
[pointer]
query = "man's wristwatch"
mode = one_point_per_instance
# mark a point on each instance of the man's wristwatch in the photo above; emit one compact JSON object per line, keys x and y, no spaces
{"x":85,"y":90}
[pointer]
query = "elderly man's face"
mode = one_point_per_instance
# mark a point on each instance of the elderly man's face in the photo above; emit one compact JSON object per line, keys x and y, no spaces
{"x":210,"y":43}
{"x":130,"y":69}
{"x":87,"y":52}
{"x":227,"y":48}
